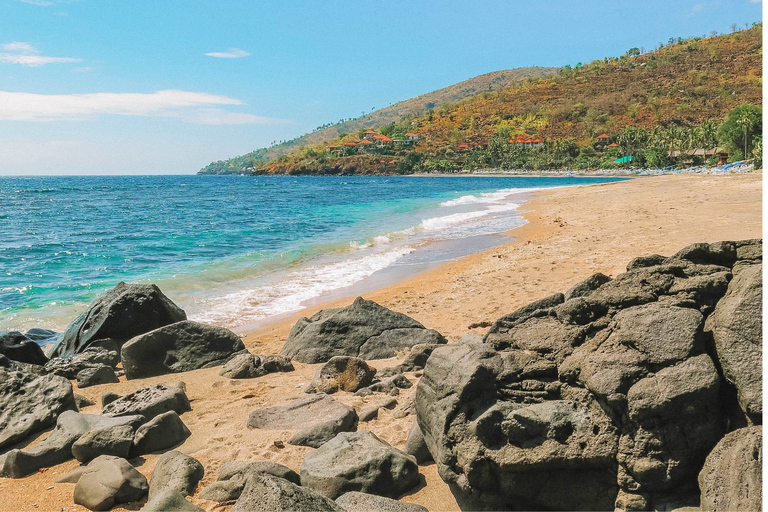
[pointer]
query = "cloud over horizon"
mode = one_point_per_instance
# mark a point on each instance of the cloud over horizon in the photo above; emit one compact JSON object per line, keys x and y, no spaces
{"x":193,"y":107}
{"x":18,"y":52}
{"x":232,"y":53}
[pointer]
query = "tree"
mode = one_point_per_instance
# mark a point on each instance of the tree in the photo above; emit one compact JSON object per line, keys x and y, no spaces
{"x":633,"y":52}
{"x":735,"y":132}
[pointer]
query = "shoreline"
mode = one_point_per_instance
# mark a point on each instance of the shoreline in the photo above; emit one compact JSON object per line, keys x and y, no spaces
{"x":571,"y":233}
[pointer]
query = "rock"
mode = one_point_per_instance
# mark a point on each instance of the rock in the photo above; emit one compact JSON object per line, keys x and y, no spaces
{"x":96,"y":375}
{"x":732,"y":475}
{"x":276,"y":363}
{"x":108,"y":398}
{"x":17,"y":347}
{"x":164,"y":431}
{"x":607,"y":399}
{"x":109,"y":481}
{"x":371,"y":412}
{"x":92,"y":357}
{"x":737,"y":329}
{"x":388,"y":385}
{"x":364,"y":329}
{"x":72,"y":477}
{"x":587,"y":286}
{"x":83,"y":401}
{"x":414,"y":361}
{"x":122,"y":313}
{"x":42,"y":336}
{"x":179,"y":347}
{"x":169,"y":500}
{"x":341,"y":373}
{"x":114,"y":440}
{"x":269,"y":493}
{"x":233,"y":475}
{"x":243,"y":366}
{"x":150,"y":401}
{"x":646,"y":261}
{"x":361,"y":502}
{"x":359,"y":461}
{"x":57,"y":447}
{"x":319,"y":417}
{"x":415,"y":445}
{"x":30,"y":403}
{"x":175,"y":472}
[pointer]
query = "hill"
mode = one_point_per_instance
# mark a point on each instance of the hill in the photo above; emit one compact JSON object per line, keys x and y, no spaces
{"x":488,"y":82}
{"x":670,"y":99}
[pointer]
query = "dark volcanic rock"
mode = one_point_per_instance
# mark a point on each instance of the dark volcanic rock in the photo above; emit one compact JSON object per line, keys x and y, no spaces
{"x":359,"y":461}
{"x":30,"y":402}
{"x":178,"y":347}
{"x":416,"y":446}
{"x":732,"y":475}
{"x":176,"y":472}
{"x":243,"y":366}
{"x":57,"y":447}
{"x":607,"y":399}
{"x":391,"y":385}
{"x":169,"y":501}
{"x":122,"y":313}
{"x":267,"y":493}
{"x":318,"y":418}
{"x":276,"y":363}
{"x":150,"y":401}
{"x":163,"y":431}
{"x":737,"y":329}
{"x":109,"y":481}
{"x":341,"y":373}
{"x":114,"y":440}
{"x":587,"y":286}
{"x":18,"y":347}
{"x":92,"y":357}
{"x":413,"y":362}
{"x":364,"y":329}
{"x":361,"y":502}
{"x":233,"y":476}
{"x":96,"y":375}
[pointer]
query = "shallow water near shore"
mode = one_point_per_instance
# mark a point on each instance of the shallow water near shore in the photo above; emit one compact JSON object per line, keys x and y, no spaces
{"x":236,"y":251}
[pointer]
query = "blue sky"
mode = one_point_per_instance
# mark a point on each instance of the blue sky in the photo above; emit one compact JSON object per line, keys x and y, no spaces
{"x":165,"y":87}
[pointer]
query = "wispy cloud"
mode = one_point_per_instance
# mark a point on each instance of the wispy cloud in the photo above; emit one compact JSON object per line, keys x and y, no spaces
{"x":698,"y":7}
{"x":193,"y":107}
{"x":25,"y":54}
{"x":232,"y":53}
{"x":44,"y":3}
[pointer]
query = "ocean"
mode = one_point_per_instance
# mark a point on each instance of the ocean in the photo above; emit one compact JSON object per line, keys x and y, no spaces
{"x":238,"y":251}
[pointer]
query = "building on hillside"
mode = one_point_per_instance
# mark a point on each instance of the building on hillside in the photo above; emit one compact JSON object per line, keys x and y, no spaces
{"x":526,"y":142}
{"x":369,"y":134}
{"x":365,"y":146}
{"x":603,"y":139}
{"x":462,"y":148}
{"x":612,"y":145}
{"x":411,"y":138}
{"x":700,"y":155}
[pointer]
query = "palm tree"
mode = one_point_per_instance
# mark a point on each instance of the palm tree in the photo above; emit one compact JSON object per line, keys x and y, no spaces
{"x":745,"y":121}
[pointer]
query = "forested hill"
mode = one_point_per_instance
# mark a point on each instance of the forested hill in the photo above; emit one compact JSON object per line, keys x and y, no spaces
{"x":417,"y":106}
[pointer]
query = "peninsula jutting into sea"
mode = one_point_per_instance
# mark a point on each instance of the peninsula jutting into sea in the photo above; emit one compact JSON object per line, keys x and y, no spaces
{"x":536,"y":289}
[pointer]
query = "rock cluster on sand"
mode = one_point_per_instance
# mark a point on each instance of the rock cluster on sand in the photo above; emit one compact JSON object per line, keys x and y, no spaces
{"x":316,"y":418}
{"x":609,"y":398}
{"x":364,"y":329}
{"x":233,"y":476}
{"x":124,"y":312}
{"x":249,"y":366}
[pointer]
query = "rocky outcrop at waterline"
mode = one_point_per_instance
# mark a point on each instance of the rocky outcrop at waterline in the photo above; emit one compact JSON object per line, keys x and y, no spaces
{"x":613,"y":398}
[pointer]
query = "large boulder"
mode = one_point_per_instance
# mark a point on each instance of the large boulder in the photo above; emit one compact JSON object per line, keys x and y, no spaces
{"x":150,"y":401}
{"x":341,"y":373}
{"x":179,"y":347}
{"x":364,"y":329}
{"x":18,"y":347}
{"x":316,"y":419}
{"x":109,"y":481}
{"x":354,"y":501}
{"x":359,"y":461}
{"x":113,"y":440}
{"x":160,"y":433}
{"x":30,"y":402}
{"x":57,"y":447}
{"x":233,"y":476}
{"x":732,"y":475}
{"x":122,"y":313}
{"x":607,"y":397}
{"x":737,"y":329}
{"x":177,"y":472}
{"x":268,"y":493}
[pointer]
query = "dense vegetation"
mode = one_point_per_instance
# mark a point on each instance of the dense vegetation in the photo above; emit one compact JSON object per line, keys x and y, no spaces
{"x":656,"y":108}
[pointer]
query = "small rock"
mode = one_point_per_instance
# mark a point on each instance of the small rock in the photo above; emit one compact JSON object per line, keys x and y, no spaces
{"x":265,"y":492}
{"x":388,"y":385}
{"x":169,"y":500}
{"x":164,"y":431}
{"x":233,"y":475}
{"x":108,"y":398}
{"x":109,"y":481}
{"x":115,"y":440}
{"x":96,"y":375}
{"x":243,"y":366}
{"x":361,"y":502}
{"x":82,"y":401}
{"x":416,"y":446}
{"x":150,"y":401}
{"x":341,"y":373}
{"x":175,"y":472}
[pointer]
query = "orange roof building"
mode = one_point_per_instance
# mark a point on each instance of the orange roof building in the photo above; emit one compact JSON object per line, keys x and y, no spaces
{"x":613,"y":145}
{"x":603,"y":136}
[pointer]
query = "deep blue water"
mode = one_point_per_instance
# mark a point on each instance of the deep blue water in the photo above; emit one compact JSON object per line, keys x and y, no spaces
{"x":228,"y":249}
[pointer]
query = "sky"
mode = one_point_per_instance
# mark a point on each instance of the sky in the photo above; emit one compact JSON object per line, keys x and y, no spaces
{"x":166,"y":87}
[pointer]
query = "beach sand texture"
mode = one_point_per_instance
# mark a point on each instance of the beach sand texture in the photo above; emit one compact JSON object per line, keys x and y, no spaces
{"x":571,"y":234}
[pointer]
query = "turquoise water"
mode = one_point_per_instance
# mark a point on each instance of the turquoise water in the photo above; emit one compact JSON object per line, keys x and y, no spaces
{"x":234,"y":250}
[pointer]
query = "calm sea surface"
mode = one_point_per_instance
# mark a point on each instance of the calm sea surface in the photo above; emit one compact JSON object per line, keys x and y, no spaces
{"x":237,"y":250}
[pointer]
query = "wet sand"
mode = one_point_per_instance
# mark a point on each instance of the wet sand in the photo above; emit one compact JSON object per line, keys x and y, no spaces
{"x":571,"y":234}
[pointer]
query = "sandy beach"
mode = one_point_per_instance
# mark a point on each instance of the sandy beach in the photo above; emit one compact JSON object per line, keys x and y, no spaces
{"x":571,"y":233}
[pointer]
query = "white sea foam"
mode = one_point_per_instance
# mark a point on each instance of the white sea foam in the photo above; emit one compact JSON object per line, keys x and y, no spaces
{"x":288,"y":294}
{"x":487,"y":197}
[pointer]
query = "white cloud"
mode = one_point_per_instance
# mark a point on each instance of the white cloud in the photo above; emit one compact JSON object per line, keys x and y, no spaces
{"x":25,"y":54}
{"x":233,"y":53}
{"x":194,"y":107}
